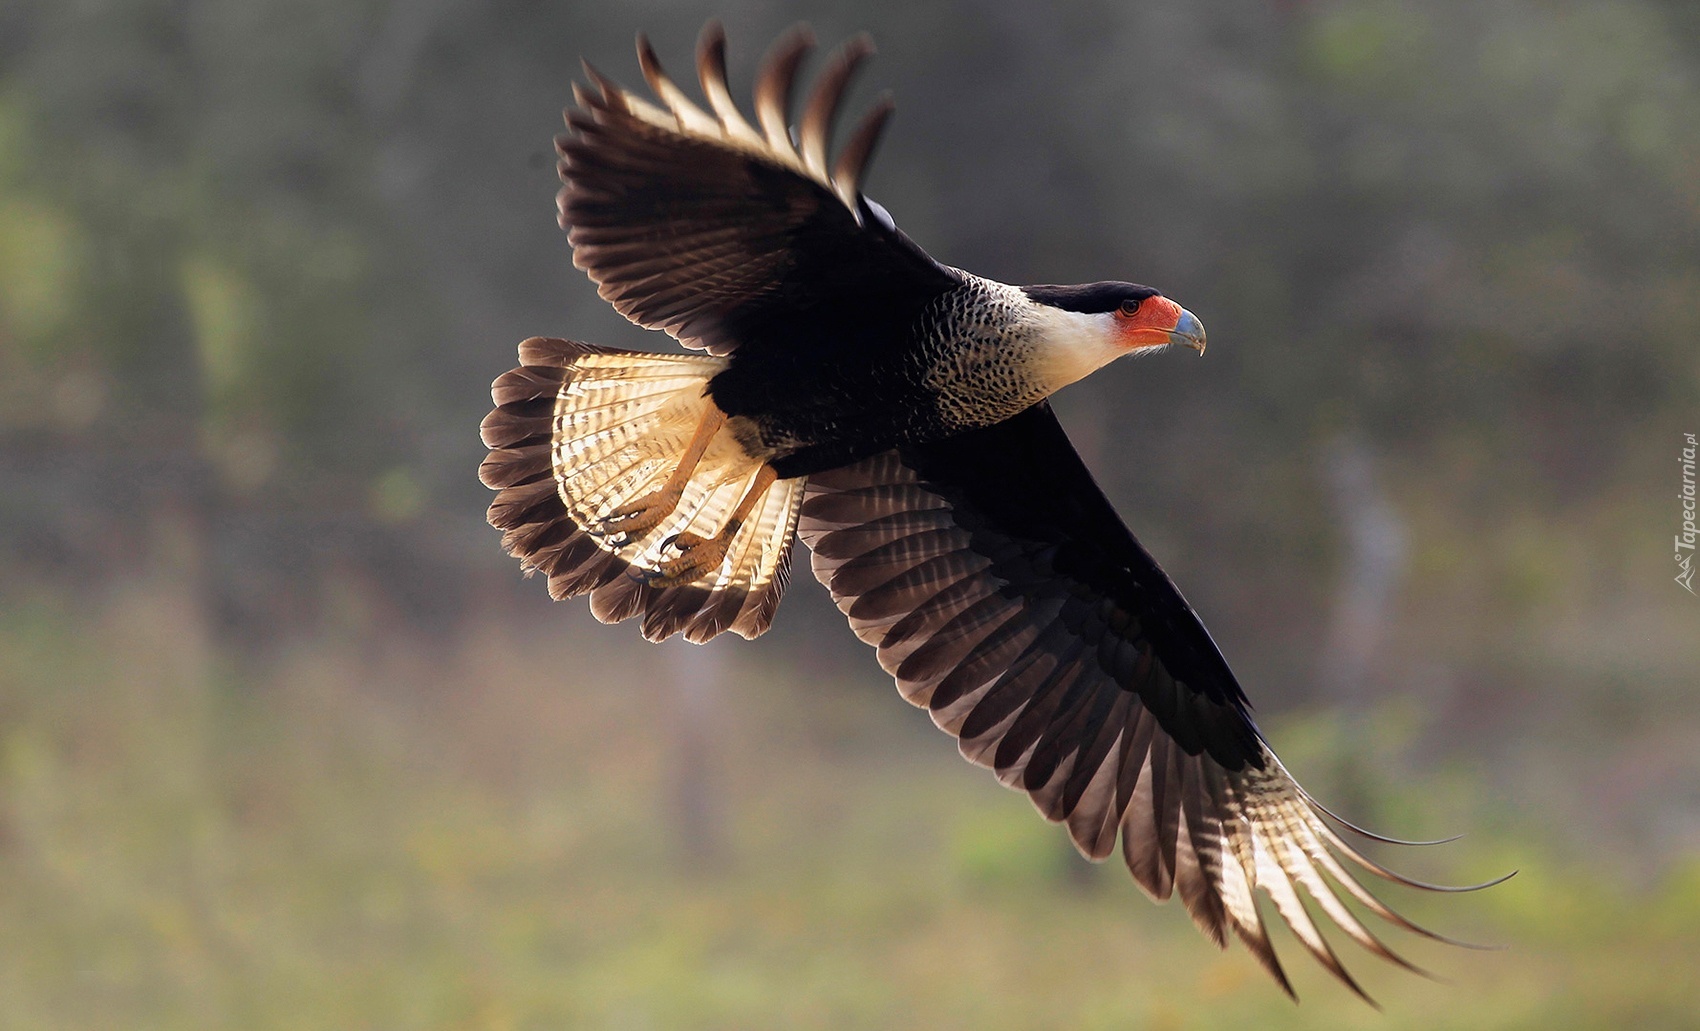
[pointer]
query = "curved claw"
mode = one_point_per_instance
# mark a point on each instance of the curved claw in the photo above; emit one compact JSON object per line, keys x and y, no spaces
{"x":611,"y":536}
{"x":697,"y":557}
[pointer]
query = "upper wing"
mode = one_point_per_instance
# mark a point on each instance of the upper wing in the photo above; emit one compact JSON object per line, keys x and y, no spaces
{"x":722,"y":234}
{"x":1008,"y":598}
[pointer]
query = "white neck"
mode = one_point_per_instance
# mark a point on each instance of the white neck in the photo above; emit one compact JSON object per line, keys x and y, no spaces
{"x":1072,"y":345}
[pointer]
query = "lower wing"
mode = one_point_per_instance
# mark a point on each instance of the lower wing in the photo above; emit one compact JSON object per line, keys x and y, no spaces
{"x":1007,"y":598}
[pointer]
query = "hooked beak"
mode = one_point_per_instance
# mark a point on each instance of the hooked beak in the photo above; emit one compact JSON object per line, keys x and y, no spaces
{"x":1160,"y":322}
{"x":1188,"y":331}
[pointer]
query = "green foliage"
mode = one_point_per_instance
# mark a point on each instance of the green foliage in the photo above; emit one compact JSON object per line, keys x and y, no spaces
{"x":38,"y":259}
{"x":1370,"y":46}
{"x":1006,"y":850}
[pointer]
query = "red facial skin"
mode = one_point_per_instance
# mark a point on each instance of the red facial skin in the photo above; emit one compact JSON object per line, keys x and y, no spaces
{"x":1151,"y":323}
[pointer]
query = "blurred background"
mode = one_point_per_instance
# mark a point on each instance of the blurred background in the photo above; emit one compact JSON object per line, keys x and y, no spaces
{"x":286,"y":742}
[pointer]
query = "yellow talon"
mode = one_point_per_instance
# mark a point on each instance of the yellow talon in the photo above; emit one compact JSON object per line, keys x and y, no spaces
{"x":639,"y":517}
{"x":636,"y":518}
{"x":698,"y":557}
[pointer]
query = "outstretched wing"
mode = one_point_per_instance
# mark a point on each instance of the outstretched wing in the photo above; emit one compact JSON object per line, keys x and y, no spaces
{"x":1008,"y":598}
{"x":726,"y":235}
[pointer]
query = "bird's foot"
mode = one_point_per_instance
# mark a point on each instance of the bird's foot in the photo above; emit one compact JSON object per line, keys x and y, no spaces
{"x":700,"y":556}
{"x":697,"y":557}
{"x":634,"y":519}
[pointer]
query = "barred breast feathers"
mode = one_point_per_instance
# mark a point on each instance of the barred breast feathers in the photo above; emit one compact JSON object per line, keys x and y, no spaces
{"x":999,"y":353}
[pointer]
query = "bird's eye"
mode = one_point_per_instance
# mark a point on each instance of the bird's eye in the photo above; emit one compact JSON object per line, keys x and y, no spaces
{"x":1130,"y":307}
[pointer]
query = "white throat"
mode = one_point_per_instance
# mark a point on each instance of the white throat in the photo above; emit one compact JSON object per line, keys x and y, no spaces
{"x":1071,"y":345}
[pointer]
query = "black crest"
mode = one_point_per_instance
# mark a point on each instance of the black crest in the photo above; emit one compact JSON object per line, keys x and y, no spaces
{"x":1089,"y":297}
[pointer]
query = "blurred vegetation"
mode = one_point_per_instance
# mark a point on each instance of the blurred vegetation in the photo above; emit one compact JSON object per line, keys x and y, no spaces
{"x":283,"y":742}
{"x":393,"y":838}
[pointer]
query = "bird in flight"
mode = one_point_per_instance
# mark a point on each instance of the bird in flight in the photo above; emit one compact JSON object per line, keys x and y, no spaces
{"x":890,"y":411}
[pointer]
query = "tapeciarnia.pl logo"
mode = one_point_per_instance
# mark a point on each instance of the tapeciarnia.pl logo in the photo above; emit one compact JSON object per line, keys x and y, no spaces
{"x":1685,"y":540}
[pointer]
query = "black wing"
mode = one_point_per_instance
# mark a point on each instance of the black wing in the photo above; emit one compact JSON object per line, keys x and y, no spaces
{"x":1008,"y":598}
{"x":723,"y":234}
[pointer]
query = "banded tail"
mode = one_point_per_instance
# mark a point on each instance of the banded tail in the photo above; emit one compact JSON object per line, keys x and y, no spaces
{"x":585,"y":444}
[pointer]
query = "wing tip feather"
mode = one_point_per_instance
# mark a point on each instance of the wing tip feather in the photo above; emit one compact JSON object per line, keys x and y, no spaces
{"x":821,"y":111}
{"x":776,"y":81}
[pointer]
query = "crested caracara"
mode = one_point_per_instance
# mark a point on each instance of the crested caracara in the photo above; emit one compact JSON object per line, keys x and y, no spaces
{"x":891,"y":412}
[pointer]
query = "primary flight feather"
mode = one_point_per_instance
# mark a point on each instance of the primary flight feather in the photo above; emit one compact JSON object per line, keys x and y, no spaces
{"x":891,"y":412}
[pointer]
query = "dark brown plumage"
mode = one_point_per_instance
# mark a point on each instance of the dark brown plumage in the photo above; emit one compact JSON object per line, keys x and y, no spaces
{"x":889,"y":410}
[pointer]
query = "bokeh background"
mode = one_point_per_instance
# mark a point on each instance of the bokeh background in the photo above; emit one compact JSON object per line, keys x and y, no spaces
{"x":285,"y":742}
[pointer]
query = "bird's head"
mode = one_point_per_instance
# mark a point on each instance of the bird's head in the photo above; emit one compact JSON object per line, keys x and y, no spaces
{"x":1086,"y":327}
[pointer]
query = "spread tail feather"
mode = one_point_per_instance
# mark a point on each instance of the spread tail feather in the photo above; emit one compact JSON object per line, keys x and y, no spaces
{"x":579,"y":432}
